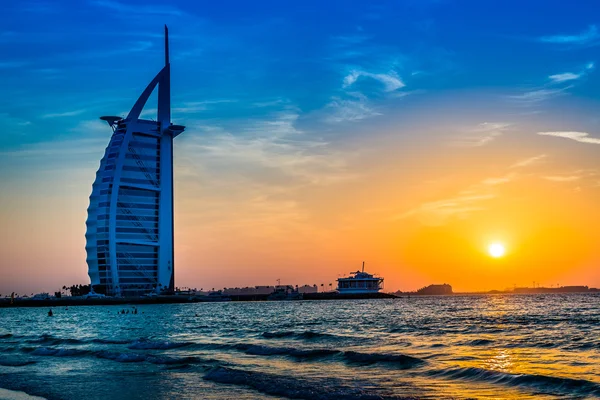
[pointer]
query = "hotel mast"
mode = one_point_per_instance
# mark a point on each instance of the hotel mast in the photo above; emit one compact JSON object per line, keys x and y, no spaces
{"x":129,"y":236}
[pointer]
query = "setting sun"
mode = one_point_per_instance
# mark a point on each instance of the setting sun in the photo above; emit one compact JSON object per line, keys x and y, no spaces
{"x":496,"y":250}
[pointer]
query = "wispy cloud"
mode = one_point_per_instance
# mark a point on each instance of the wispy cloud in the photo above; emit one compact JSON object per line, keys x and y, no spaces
{"x":391,"y":81}
{"x":529,"y":161}
{"x":438,"y":212}
{"x":465,"y":202}
{"x":64,"y":114}
{"x":498,"y":180}
{"x":349,"y":110}
{"x":7,"y":120}
{"x":582,"y":137}
{"x":571,"y":76}
{"x":481,"y":135}
{"x":537,"y":96}
{"x":139,"y":9}
{"x":570,"y":178}
{"x":272,"y":151}
{"x":576,"y":176}
{"x":564,"y":77}
{"x":591,"y":36}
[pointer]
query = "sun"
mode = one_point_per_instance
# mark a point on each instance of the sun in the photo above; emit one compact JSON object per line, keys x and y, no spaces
{"x":496,"y":250}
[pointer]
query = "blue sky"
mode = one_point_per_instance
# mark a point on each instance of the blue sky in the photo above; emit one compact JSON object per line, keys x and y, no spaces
{"x":282,"y":98}
{"x":67,"y":59}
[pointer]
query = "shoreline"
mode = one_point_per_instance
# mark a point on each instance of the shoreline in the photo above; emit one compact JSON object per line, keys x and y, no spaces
{"x":179,"y":299}
{"x":176,"y":299}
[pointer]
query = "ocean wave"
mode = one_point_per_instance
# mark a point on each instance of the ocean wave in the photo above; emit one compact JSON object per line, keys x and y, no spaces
{"x":53,"y":341}
{"x":15,"y":362}
{"x":121,"y":357}
{"x":262,"y":350}
{"x":110,"y":341}
{"x":277,"y":335}
{"x":295,"y":388}
{"x":172,"y":360}
{"x":6,"y":336}
{"x":401,"y":360}
{"x":542,"y":383}
{"x":306,"y":335}
{"x":143,"y":344}
{"x":315,"y":335}
{"x":60,"y":352}
{"x":480,"y":342}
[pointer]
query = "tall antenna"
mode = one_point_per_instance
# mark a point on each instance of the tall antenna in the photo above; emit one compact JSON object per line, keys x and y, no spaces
{"x":164,"y":88}
{"x":166,"y":45}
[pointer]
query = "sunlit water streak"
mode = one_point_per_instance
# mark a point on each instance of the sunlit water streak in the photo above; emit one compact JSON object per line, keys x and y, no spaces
{"x":530,"y":346}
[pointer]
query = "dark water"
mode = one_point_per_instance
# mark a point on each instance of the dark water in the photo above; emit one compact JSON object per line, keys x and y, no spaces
{"x":531,"y":346}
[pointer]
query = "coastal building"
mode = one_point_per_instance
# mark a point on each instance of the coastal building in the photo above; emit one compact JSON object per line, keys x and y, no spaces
{"x":265,"y":290}
{"x":360,"y":282}
{"x":129,"y":236}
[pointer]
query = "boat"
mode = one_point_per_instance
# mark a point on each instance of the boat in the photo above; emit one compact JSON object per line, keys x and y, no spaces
{"x":285,"y":293}
{"x":360,"y":282}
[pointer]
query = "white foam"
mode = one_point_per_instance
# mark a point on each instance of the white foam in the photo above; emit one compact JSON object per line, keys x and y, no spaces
{"x":6,"y":394}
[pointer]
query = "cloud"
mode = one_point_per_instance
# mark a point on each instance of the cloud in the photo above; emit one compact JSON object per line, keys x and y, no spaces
{"x":390,"y":81}
{"x":564,"y":77}
{"x":64,"y":114}
{"x":482,"y":134}
{"x":529,"y":161}
{"x":348,"y":110}
{"x":465,"y":202}
{"x":590,"y":36}
{"x":539,"y":95}
{"x":498,"y":180}
{"x":563,"y":178}
{"x":582,"y":137}
{"x":585,"y":177}
{"x":271,"y":151}
{"x":122,"y":8}
{"x":7,"y":120}
{"x":571,"y":76}
{"x":192,"y":107}
{"x":437,"y":212}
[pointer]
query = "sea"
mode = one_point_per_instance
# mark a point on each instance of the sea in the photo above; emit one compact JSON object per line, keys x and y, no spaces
{"x":447,"y":347}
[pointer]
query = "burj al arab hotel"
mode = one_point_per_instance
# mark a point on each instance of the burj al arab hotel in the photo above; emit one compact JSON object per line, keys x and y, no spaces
{"x":129,"y":236}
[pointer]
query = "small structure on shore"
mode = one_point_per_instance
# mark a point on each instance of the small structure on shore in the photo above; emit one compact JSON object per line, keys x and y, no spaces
{"x":360,"y":282}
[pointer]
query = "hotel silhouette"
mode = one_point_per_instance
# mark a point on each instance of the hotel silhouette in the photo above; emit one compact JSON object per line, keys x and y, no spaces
{"x":129,"y":236}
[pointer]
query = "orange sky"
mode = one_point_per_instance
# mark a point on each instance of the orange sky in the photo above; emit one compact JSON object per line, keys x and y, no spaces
{"x":418,"y":199}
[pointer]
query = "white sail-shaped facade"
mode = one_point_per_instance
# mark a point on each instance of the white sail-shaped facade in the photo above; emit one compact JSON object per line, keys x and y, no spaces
{"x":129,"y":236}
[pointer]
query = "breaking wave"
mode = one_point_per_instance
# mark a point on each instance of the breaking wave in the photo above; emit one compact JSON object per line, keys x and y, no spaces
{"x":543,"y":383}
{"x":110,"y":341}
{"x":60,"y":352}
{"x":295,"y":388}
{"x":306,"y":335}
{"x":156,"y":345}
{"x":401,"y":360}
{"x":15,"y":363}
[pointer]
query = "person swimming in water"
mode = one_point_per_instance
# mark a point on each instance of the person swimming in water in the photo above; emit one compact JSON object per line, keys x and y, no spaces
{"x":50,"y":314}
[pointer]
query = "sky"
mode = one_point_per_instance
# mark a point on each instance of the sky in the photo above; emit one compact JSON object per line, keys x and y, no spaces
{"x":407,"y":134}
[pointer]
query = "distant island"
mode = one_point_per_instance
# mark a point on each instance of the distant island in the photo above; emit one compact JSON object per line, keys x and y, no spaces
{"x":445,"y":290}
